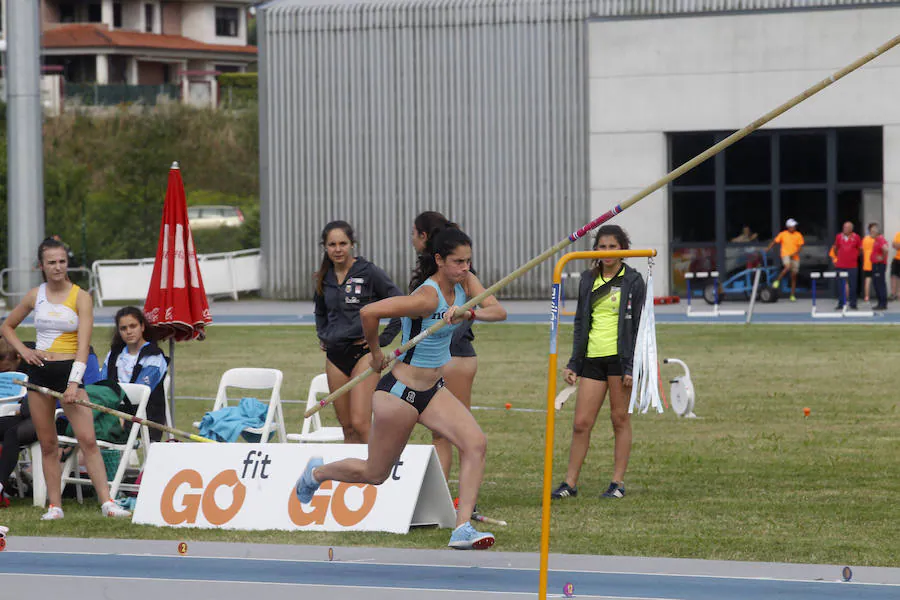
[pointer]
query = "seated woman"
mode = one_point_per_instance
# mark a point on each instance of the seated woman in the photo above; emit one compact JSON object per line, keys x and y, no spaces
{"x":134,"y":357}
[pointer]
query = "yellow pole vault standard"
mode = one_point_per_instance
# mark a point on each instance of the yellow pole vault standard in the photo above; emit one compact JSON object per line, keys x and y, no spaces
{"x":551,"y":389}
{"x":709,"y":153}
{"x":734,"y":137}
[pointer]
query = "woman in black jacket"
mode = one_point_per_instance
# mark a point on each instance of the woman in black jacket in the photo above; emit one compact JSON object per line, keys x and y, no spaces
{"x":610,"y":299}
{"x":344,"y":284}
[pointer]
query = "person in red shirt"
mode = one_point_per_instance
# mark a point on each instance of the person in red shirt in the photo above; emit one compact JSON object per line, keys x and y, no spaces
{"x":847,"y":246}
{"x":880,"y":251}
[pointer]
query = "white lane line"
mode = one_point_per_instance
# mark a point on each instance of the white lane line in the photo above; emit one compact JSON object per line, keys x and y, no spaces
{"x":320,"y":585}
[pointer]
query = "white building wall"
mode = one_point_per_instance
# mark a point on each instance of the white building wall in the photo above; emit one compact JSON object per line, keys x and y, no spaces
{"x":133,"y":16}
{"x":657,"y":75}
{"x":199,"y":23}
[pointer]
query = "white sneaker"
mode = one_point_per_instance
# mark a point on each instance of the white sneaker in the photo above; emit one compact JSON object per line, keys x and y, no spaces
{"x":3,"y":530}
{"x":111,"y":509}
{"x":53,"y":513}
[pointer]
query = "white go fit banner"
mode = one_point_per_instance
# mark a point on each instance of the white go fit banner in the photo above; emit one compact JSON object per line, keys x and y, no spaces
{"x":251,"y":487}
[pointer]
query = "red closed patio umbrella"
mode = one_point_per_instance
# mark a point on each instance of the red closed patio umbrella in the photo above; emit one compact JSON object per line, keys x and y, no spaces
{"x":176,"y":301}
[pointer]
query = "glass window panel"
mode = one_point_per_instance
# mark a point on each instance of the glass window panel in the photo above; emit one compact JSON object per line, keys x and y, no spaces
{"x":850,"y":208}
{"x":749,"y":161}
{"x":748,"y":209}
{"x":691,"y":260}
{"x":803,"y":157}
{"x":686,"y":146}
{"x":693,"y":217}
{"x":859,"y":155}
{"x":810,"y":209}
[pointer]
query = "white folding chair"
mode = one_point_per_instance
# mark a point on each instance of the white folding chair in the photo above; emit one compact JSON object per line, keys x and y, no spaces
{"x":312,"y":427}
{"x":251,"y":378}
{"x":140,"y":395}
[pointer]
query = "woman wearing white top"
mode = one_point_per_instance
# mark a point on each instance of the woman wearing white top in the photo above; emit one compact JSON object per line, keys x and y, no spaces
{"x":63,"y":321}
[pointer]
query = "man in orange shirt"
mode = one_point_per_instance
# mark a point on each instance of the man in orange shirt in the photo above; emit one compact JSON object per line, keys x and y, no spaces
{"x":868,"y":243}
{"x":791,"y":241}
{"x":895,"y":269}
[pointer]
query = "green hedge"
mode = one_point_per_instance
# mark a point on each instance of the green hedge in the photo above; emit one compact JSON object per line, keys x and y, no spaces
{"x":238,"y":89}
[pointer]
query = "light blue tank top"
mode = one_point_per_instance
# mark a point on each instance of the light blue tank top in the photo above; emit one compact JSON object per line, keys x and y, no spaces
{"x":433,"y":351}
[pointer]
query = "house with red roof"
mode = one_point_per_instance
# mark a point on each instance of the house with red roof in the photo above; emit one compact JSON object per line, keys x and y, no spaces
{"x":181,"y":43}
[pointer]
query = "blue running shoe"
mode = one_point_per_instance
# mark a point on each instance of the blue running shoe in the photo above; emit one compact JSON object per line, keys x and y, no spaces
{"x":466,"y":537}
{"x":306,"y":485}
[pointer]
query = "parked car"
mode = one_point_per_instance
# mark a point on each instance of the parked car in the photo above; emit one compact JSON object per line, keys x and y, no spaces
{"x":213,"y":217}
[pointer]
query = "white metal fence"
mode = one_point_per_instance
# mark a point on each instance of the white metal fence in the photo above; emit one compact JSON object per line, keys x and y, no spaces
{"x":224,"y":274}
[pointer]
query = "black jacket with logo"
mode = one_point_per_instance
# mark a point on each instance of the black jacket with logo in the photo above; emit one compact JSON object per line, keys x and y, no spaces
{"x":337,"y":307}
{"x":633,"y":295}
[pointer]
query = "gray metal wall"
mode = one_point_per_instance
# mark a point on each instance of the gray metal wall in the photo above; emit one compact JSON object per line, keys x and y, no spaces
{"x":374,"y":114}
{"x":374,"y":111}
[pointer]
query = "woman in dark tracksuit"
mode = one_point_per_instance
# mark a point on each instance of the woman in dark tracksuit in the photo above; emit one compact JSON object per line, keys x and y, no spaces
{"x":344,"y":284}
{"x":459,"y":373}
{"x":610,"y":298}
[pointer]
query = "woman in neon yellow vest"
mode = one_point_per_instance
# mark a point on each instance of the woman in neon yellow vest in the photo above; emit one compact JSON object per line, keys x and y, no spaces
{"x":610,"y":299}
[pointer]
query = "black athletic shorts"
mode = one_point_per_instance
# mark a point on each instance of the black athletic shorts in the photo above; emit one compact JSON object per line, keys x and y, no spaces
{"x":417,"y":399}
{"x":895,"y":267}
{"x":345,"y":356}
{"x":601,"y":369}
{"x":54,"y":374}
{"x":461,"y":342}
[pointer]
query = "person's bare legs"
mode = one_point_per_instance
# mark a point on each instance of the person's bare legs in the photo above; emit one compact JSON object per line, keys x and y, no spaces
{"x":621,"y":423}
{"x":336,"y":379}
{"x":361,"y":401}
{"x":459,"y":375}
{"x":867,"y":284}
{"x":782,"y":274}
{"x":793,"y":283}
{"x":394,"y":421}
{"x":447,"y":416}
{"x":588,"y":401}
{"x":82,"y":420}
{"x":43,"y":410}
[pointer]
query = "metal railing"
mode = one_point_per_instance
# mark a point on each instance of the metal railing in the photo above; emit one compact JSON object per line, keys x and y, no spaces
{"x":82,"y":276}
{"x":92,"y":94}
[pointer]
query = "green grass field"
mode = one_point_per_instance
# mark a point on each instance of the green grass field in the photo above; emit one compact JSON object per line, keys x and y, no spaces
{"x":753,"y":479}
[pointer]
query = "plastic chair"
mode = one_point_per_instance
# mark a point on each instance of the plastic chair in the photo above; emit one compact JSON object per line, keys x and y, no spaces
{"x":312,"y":427}
{"x":138,"y":394}
{"x":255,"y":379}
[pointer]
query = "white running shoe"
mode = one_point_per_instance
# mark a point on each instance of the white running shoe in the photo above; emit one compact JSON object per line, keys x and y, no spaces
{"x":111,"y":509}
{"x":53,"y":513}
{"x":3,"y":530}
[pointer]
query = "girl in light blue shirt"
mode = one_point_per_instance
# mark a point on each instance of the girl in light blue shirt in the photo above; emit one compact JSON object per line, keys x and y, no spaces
{"x":413,"y":391}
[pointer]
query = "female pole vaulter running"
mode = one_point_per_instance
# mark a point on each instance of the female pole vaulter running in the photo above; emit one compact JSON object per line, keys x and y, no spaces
{"x":413,"y":392}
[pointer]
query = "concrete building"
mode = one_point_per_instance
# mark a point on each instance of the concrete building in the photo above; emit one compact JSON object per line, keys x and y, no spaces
{"x":640,"y":88}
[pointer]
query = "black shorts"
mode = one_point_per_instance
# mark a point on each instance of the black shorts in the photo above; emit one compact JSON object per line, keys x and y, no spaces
{"x":417,"y":399}
{"x":54,"y":374}
{"x":461,"y":342}
{"x":346,"y":356}
{"x":601,"y":369}
{"x":895,"y":267}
